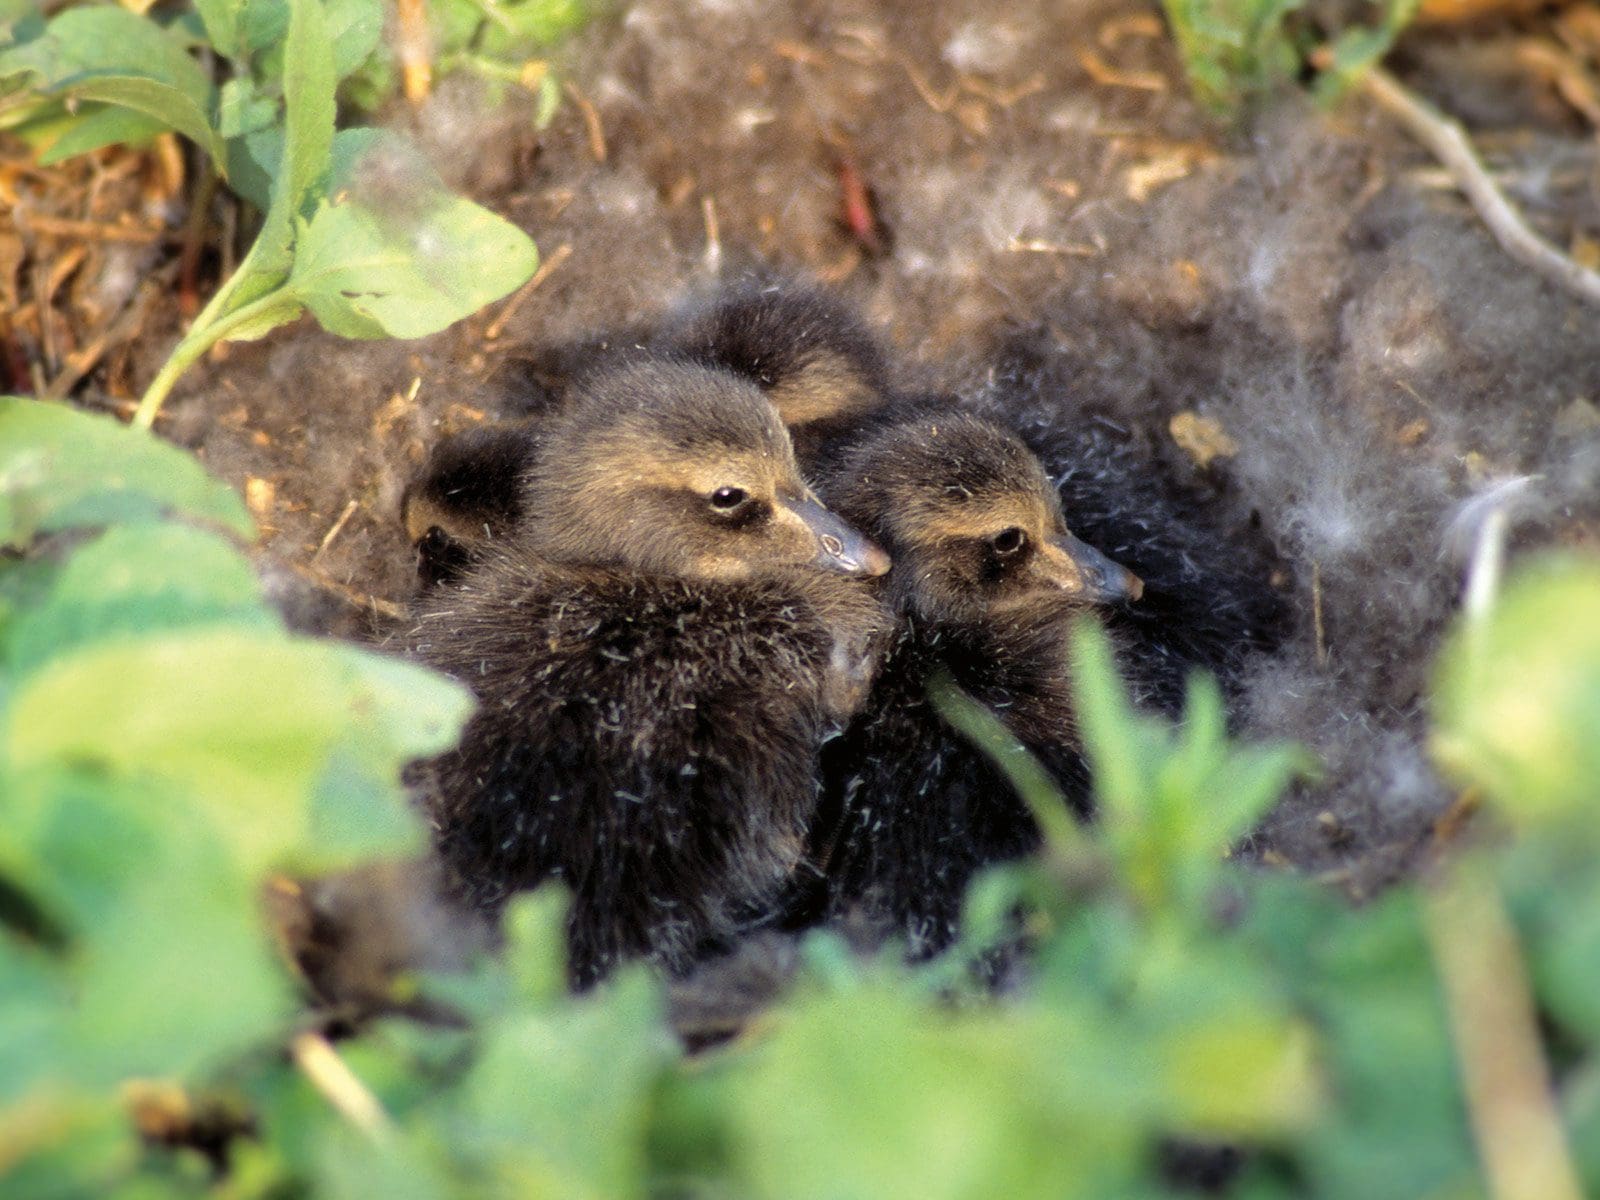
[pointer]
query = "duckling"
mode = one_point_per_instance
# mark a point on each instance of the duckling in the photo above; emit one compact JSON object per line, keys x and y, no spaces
{"x":986,"y":581}
{"x":669,"y":631}
{"x":814,"y":358}
{"x":468,"y":496}
{"x":812,"y":355}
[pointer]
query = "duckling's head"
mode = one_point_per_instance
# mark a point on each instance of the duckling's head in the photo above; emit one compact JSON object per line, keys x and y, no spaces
{"x":811,"y":354}
{"x":973,"y":525}
{"x":673,"y":469}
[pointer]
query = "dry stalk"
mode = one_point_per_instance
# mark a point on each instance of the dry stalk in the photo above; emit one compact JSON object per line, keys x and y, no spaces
{"x":1449,"y":144}
{"x":1509,"y":1096}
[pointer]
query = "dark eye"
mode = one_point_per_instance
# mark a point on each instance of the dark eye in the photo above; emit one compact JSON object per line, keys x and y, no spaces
{"x":726,"y":499}
{"x":1009,"y":541}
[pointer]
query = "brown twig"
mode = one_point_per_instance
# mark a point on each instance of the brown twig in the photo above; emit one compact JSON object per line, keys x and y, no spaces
{"x":355,"y":599}
{"x":89,"y":231}
{"x":591,"y":121}
{"x":514,"y":305}
{"x":1449,"y":144}
{"x":194,"y":235}
{"x":414,"y":49}
{"x":123,"y":329}
{"x":1509,"y":1097}
{"x":336,"y":529}
{"x":713,"y":254}
{"x":340,"y":1086}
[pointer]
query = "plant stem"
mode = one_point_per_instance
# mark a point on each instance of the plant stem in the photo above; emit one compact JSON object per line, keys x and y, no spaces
{"x":203,"y":335}
{"x":1033,"y":784}
{"x":1484,"y":978}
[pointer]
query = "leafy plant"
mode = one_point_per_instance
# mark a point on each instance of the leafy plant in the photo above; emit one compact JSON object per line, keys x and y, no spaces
{"x":358,"y":229}
{"x":164,"y":744}
{"x":1235,"y":50}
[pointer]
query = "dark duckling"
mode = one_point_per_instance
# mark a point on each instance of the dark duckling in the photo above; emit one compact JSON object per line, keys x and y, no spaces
{"x":1207,"y":604}
{"x":468,"y":498}
{"x":660,"y":645}
{"x":986,"y":582}
{"x":811,"y":353}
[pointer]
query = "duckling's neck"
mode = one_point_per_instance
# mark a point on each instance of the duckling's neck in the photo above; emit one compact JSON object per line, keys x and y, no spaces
{"x":1019,"y":667}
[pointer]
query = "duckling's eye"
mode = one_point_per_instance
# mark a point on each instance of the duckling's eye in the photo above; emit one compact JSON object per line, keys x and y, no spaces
{"x":1009,"y":541}
{"x":726,"y":499}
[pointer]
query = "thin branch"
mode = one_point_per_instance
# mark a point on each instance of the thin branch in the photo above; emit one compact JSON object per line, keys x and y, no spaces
{"x":546,"y":269}
{"x":1509,"y":1097}
{"x":1449,"y":144}
{"x":340,"y":1086}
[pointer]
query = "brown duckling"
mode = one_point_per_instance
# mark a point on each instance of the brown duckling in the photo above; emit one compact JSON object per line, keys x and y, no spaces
{"x":986,"y":580}
{"x":812,"y":354}
{"x":669,"y":631}
{"x":813,"y":357}
{"x":468,"y":497}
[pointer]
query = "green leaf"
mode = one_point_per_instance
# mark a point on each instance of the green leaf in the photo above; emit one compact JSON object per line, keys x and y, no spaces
{"x":868,"y":1094}
{"x":221,"y":20}
{"x":543,"y":1120}
{"x":95,"y":126}
{"x":1107,"y":723}
{"x":1517,"y":699}
{"x":536,"y":944}
{"x":263,"y":23}
{"x":169,"y":968}
{"x":253,"y":163}
{"x":1172,"y":801}
{"x":1365,"y":978}
{"x":61,"y":468}
{"x":251,"y":723}
{"x":355,"y":28}
{"x":308,"y":88}
{"x":244,"y":107}
{"x":133,"y":581}
{"x":396,"y":255}
{"x":106,"y":53}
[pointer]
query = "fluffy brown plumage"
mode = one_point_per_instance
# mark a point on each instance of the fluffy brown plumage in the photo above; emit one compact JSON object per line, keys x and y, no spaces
{"x":659,"y":648}
{"x":986,"y":582}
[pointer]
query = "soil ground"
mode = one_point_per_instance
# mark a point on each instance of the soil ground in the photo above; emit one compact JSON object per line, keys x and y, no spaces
{"x":1021,"y":190}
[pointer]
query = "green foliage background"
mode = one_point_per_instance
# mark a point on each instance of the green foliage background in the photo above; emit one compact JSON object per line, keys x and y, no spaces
{"x":167,"y":747}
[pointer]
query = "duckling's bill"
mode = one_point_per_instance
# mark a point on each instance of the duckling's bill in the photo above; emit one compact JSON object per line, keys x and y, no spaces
{"x":840,"y":548}
{"x":1077,"y":567}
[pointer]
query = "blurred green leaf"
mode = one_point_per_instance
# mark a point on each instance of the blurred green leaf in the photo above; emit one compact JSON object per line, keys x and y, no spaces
{"x":1517,"y":699}
{"x":870,"y":1094}
{"x":94,"y":126}
{"x":397,"y":255}
{"x":221,"y":20}
{"x":1359,"y":47}
{"x":355,"y":29}
{"x":244,"y":107}
{"x":536,"y":944}
{"x":1366,"y":980}
{"x":61,"y":468}
{"x":250,"y":721}
{"x":1233,"y":48}
{"x":538,"y":1116}
{"x":170,"y":967}
{"x":132,"y":581}
{"x":1172,"y":801}
{"x":106,"y":53}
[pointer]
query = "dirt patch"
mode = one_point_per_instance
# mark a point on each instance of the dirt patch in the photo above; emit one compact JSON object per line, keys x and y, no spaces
{"x":1029,"y":204}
